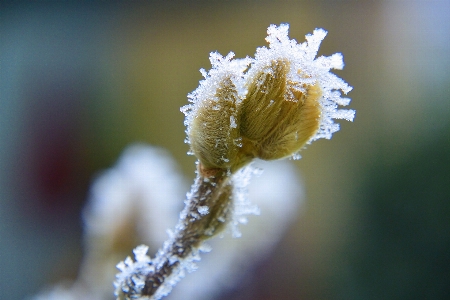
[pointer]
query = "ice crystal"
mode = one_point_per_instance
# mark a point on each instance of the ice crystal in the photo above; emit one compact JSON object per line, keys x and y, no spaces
{"x":242,"y":204}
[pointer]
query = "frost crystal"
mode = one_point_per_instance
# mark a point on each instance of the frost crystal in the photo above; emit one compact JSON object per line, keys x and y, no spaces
{"x":242,"y":204}
{"x":203,"y":210}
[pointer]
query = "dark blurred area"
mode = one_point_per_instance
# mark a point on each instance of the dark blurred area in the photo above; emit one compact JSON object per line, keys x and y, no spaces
{"x":79,"y":81}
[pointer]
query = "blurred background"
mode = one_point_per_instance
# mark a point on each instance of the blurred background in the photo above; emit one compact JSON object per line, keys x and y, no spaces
{"x":81,"y":81}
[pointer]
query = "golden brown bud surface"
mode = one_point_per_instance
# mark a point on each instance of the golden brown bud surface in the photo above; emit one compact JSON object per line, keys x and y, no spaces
{"x":214,"y":129}
{"x":277,"y":118}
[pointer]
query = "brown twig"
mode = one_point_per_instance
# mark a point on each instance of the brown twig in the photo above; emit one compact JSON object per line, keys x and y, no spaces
{"x":207,"y":210}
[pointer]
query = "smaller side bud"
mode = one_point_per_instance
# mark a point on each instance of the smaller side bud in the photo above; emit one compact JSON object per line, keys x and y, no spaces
{"x":212,"y":118}
{"x":214,"y":130}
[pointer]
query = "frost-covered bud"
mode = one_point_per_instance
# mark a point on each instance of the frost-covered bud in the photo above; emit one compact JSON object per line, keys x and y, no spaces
{"x":278,"y":115}
{"x":212,"y":118}
{"x":214,"y":130}
{"x":292,"y":96}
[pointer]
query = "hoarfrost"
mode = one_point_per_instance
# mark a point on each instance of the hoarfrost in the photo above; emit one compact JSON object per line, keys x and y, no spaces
{"x":242,"y":204}
{"x":203,"y":210}
{"x":296,"y":156}
{"x":233,"y":122}
{"x":140,"y":252}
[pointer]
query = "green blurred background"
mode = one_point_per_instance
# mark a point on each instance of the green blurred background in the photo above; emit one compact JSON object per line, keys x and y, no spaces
{"x":79,"y":81}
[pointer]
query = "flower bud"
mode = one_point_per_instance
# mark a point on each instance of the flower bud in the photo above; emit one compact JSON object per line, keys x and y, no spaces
{"x":213,"y":117}
{"x":214,"y":129}
{"x":278,"y":115}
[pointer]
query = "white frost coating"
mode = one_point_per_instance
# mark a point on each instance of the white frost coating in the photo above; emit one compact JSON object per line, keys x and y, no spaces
{"x":203,"y":210}
{"x":242,"y":206}
{"x":135,"y":270}
{"x":233,"y":122}
{"x":143,"y":265}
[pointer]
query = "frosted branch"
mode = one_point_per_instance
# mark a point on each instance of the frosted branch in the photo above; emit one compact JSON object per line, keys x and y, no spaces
{"x":268,"y":107}
{"x":206,"y":211}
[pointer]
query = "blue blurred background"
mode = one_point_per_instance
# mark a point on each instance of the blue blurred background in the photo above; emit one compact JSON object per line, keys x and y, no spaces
{"x":79,"y":81}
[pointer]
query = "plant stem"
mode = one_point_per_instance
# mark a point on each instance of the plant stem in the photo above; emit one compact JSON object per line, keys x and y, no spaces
{"x":207,"y":210}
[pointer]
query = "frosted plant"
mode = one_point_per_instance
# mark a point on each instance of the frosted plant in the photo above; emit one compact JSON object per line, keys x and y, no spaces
{"x":125,"y":207}
{"x":267,"y":107}
{"x":278,"y":194}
